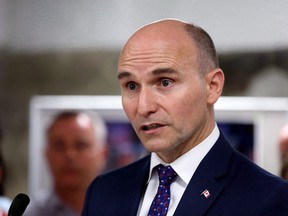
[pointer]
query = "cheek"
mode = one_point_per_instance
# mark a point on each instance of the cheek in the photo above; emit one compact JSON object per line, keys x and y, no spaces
{"x":56,"y":165}
{"x":184,"y":113}
{"x":189,"y":107}
{"x":54,"y":158}
{"x":92,"y":160}
{"x":128,"y":107}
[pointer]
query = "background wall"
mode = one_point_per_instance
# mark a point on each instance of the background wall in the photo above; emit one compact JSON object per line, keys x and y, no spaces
{"x":39,"y":25}
{"x":64,"y":47}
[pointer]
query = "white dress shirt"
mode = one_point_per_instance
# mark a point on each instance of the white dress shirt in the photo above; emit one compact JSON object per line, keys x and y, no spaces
{"x":184,"y":166}
{"x":47,"y":203}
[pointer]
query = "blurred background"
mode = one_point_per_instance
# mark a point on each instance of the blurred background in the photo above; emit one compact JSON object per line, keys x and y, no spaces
{"x":67,"y":47}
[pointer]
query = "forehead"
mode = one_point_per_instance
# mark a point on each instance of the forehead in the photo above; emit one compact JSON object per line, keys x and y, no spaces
{"x":75,"y":123}
{"x":156,"y":52}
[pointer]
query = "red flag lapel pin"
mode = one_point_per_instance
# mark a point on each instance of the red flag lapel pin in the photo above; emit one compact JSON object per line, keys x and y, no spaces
{"x":206,"y":193}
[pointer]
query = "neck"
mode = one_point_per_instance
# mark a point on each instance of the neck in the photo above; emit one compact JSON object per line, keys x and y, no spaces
{"x":74,"y":198}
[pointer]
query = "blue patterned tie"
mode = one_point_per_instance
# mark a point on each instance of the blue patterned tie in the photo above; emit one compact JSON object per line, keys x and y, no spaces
{"x":160,"y":203}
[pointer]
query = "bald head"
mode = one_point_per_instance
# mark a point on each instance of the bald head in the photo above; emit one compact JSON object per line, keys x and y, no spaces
{"x":179,"y":34}
{"x":166,"y":30}
{"x":167,"y":70}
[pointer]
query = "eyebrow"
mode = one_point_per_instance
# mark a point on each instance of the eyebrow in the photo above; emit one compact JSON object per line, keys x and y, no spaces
{"x":123,"y":74}
{"x":156,"y":72}
{"x":160,"y":71}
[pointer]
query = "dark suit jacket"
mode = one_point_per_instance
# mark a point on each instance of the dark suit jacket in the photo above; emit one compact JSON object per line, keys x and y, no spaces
{"x":237,"y":187}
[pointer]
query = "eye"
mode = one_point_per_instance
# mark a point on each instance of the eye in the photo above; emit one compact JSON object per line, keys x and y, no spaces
{"x":81,"y":145}
{"x":166,"y":82}
{"x":57,"y":145}
{"x":131,"y":86}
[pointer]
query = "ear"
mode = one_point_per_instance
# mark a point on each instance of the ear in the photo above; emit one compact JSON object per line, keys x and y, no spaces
{"x":215,"y":82}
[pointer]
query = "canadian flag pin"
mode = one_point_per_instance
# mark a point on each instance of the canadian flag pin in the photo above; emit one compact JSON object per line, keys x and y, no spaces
{"x":206,"y":193}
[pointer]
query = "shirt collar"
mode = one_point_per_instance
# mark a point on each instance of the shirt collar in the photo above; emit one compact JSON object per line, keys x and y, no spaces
{"x":186,"y":165}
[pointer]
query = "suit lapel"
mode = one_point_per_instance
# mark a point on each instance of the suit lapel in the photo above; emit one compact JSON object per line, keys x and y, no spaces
{"x":206,"y":184}
{"x":199,"y":195}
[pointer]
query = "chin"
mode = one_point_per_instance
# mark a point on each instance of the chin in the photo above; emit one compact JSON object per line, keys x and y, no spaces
{"x":156,"y":147}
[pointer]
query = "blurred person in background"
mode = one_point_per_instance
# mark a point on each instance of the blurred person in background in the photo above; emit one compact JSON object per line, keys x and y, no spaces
{"x":76,"y":153}
{"x":284,"y":170}
{"x":283,"y":143}
{"x":5,"y":202}
{"x":283,"y":151}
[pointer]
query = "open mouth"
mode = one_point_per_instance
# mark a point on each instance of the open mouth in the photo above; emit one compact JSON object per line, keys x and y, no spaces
{"x":151,"y":127}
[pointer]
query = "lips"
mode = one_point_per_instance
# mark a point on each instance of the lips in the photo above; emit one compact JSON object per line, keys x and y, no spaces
{"x":151,"y":127}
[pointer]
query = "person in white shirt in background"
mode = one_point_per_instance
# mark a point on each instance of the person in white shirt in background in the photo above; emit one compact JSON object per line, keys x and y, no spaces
{"x":76,"y":154}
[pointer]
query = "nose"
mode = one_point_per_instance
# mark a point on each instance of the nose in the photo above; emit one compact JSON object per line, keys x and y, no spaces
{"x":71,"y":153}
{"x":147,"y":102}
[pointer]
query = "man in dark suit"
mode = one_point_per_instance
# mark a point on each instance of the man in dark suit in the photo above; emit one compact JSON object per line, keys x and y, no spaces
{"x":170,"y":80}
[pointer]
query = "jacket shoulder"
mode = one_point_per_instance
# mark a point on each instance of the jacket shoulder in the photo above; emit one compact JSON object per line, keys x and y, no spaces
{"x":117,"y":190}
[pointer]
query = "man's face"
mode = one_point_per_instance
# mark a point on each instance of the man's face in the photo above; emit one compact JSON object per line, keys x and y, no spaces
{"x":163,"y":94}
{"x":73,"y":155}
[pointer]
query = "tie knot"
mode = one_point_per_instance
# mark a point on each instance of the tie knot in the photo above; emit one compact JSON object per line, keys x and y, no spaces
{"x":166,"y":174}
